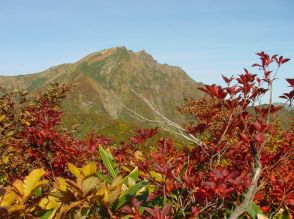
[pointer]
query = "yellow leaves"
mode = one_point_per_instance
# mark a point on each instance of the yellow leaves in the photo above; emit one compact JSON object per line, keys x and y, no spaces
{"x":139,"y":156}
{"x":74,"y":170}
{"x":65,"y":209}
{"x":25,"y":122}
{"x":110,"y":193}
{"x":9,"y":202}
{"x":8,"y":199}
{"x":131,"y":182}
{"x":156,"y":176}
{"x":89,"y":184}
{"x":15,"y":208}
{"x":88,"y":189}
{"x":21,"y":190}
{"x":224,"y":162}
{"x":261,"y":216}
{"x":89,"y":169}
{"x":101,"y":190}
{"x":105,"y":194}
{"x":49,"y":203}
{"x":125,"y":168}
{"x":10,"y":149}
{"x":151,"y":188}
{"x":117,"y":181}
{"x":6,"y":125}
{"x":71,"y":197}
{"x":32,"y":181}
{"x":5,"y":159}
{"x":10,"y":133}
{"x":61,"y":184}
{"x":27,"y":113}
{"x":18,"y":187}
{"x":2,"y":117}
{"x":80,"y":173}
{"x":85,"y":182}
{"x":14,"y":200}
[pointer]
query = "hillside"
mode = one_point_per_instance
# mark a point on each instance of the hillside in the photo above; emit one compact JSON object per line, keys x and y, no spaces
{"x":103,"y":86}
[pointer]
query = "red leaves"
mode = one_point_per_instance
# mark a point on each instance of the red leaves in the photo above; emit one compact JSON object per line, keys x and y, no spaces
{"x":247,"y":136}
{"x":159,"y":213}
{"x":233,"y":90}
{"x":266,"y":60}
{"x":214,"y":91}
{"x":263,"y":111}
{"x":291,"y":82}
{"x":246,"y":78}
{"x":44,"y":143}
{"x":290,"y":95}
{"x":265,"y":208}
{"x":228,"y":80}
{"x":223,"y":182}
{"x":260,"y":137}
{"x":90,"y":144}
{"x":133,"y":210}
{"x":281,"y":60}
{"x":143,"y":134}
{"x":260,"y":125}
{"x":206,"y":180}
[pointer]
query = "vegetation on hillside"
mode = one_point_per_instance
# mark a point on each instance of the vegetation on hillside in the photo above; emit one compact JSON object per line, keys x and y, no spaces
{"x":239,"y":163}
{"x":103,"y":80}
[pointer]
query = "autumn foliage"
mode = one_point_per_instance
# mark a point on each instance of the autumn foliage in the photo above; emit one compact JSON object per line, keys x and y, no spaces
{"x":240,"y":165}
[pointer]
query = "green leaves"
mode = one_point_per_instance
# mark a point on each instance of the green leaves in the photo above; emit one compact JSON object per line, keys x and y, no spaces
{"x":134,"y":175}
{"x":254,"y":211}
{"x":108,"y":162}
{"x":38,"y":192}
{"x":129,"y":194}
{"x":49,"y":214}
{"x":129,"y":181}
{"x":283,"y":214}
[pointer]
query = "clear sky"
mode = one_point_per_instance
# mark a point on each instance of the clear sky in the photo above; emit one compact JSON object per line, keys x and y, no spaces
{"x":206,"y":38}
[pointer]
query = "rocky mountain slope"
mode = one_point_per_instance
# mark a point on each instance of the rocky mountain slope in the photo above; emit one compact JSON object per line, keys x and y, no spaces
{"x":103,"y":87}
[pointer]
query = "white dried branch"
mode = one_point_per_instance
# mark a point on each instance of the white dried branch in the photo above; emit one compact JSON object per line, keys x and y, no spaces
{"x":165,"y":123}
{"x":180,"y":130}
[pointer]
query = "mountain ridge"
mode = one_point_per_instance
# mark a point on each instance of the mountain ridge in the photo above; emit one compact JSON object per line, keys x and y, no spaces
{"x":103,"y":81}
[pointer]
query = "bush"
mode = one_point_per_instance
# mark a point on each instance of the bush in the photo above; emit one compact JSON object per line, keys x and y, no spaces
{"x":240,"y":164}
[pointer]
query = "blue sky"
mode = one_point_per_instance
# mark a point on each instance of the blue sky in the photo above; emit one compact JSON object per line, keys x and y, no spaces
{"x":206,"y":38}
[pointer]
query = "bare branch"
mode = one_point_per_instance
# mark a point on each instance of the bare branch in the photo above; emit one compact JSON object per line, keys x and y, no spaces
{"x":165,"y":123}
{"x":246,"y":204}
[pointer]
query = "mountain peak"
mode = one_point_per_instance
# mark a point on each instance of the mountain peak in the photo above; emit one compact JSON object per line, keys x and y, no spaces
{"x":117,"y":57}
{"x":146,"y":56}
{"x":103,"y":81}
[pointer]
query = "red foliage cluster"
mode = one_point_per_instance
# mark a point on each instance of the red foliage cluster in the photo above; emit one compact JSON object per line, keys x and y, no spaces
{"x":143,"y":134}
{"x":42,"y":141}
{"x":237,"y":136}
{"x":239,"y":146}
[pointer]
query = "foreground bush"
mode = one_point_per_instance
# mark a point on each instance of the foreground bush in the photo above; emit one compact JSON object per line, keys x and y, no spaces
{"x":240,"y":162}
{"x":90,"y":193}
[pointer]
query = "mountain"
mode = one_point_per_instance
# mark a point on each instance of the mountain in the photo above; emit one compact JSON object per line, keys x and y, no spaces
{"x":103,"y":86}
